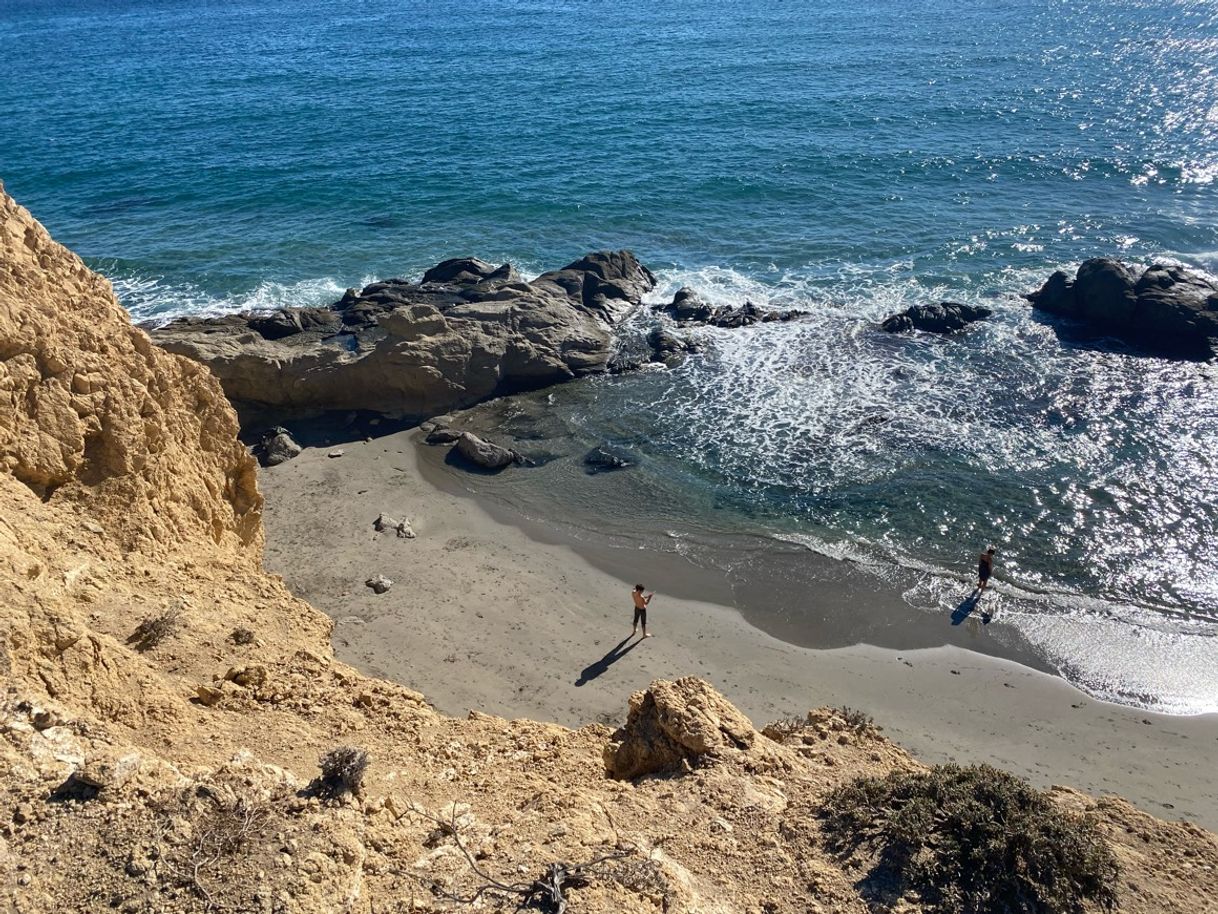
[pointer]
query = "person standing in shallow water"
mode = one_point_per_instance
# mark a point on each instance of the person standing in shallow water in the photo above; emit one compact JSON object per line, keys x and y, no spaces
{"x":640,"y":609}
{"x":985,"y":568}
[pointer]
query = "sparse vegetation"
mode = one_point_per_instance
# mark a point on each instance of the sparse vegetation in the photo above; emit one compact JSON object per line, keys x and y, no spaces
{"x":155,"y":629}
{"x":969,"y":840}
{"x":782,"y":730}
{"x":222,"y":826}
{"x":837,"y":720}
{"x":242,"y":635}
{"x":550,"y":891}
{"x":342,"y":771}
{"x":857,"y":721}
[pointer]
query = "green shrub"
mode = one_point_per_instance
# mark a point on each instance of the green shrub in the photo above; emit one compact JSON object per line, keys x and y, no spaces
{"x":972,"y":840}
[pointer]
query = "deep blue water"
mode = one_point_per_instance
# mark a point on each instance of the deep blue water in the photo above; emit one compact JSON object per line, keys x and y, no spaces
{"x":216,"y":147}
{"x":849,"y":157}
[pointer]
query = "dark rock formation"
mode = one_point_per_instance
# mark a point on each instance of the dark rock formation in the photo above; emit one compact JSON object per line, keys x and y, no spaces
{"x":467,"y":332}
{"x":1168,"y":310}
{"x":669,"y":348}
{"x":602,"y":459}
{"x":945,"y":317}
{"x":277,"y":446}
{"x":687,"y":307}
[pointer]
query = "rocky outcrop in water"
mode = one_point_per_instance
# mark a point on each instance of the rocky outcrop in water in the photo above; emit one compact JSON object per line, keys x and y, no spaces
{"x":944,"y":317}
{"x":466,"y":332}
{"x":688,"y":307}
{"x":1166,"y":309}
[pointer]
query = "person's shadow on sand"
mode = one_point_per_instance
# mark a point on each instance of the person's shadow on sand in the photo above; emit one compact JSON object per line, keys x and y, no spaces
{"x":616,"y":653}
{"x":966,"y":607}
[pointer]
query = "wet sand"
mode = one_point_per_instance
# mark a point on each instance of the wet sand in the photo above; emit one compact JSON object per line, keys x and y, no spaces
{"x":509,"y":619}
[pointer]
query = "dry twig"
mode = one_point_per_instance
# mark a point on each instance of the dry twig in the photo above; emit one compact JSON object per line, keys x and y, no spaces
{"x":547,"y":892}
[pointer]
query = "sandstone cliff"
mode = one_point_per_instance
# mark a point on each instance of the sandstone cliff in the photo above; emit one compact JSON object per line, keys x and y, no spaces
{"x":165,"y":701}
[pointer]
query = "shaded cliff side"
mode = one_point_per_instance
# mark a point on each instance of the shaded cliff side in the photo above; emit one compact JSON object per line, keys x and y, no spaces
{"x":166,"y":701}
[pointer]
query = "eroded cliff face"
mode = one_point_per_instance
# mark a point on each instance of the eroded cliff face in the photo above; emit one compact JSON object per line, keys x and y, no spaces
{"x":172,"y":769}
{"x":95,"y":416}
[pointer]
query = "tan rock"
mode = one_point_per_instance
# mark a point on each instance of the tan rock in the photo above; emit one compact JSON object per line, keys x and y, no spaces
{"x":672,"y":724}
{"x":208,"y":695}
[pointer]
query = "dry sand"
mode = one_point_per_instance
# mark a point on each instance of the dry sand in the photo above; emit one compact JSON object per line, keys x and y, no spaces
{"x":481,"y":616}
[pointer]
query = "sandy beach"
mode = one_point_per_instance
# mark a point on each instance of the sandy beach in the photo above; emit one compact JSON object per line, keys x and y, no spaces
{"x":483,"y":616}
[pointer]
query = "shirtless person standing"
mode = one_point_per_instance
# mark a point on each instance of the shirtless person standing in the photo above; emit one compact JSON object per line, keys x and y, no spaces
{"x":640,"y":609}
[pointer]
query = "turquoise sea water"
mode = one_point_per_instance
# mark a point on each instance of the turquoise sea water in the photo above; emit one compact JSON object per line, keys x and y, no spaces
{"x":851,"y":158}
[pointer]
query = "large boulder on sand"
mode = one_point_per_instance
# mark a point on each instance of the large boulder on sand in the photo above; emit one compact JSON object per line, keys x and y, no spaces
{"x":277,"y":446}
{"x":944,"y":317}
{"x":485,"y":454}
{"x":1166,"y":309}
{"x":467,"y":332}
{"x":672,"y":725}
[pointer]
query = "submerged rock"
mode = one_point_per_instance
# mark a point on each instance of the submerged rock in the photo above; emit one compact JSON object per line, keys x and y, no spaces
{"x":670,"y":348}
{"x":945,"y":317}
{"x":687,"y":307}
{"x":468,"y":331}
{"x":604,"y":459}
{"x":1165,"y":309}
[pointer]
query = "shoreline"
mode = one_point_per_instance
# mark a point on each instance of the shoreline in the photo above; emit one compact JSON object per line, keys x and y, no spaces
{"x":879,"y":618}
{"x":484,"y":616}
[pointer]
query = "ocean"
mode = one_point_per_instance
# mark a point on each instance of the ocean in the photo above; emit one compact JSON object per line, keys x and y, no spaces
{"x":847,"y":158}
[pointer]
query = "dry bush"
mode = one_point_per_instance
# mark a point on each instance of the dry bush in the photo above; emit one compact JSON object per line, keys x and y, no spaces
{"x":342,"y":771}
{"x":971,"y":840}
{"x":155,"y":629}
{"x":857,"y":721}
{"x":782,"y":730}
{"x":849,"y":720}
{"x":222,"y":830}
{"x":550,"y":891}
{"x":242,"y":635}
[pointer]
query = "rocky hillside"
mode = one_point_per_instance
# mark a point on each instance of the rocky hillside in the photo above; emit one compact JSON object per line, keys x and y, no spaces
{"x":165,"y":702}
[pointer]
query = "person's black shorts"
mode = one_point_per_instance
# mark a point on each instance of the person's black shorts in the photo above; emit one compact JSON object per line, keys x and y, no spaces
{"x":640,"y":615}
{"x":983,"y":573}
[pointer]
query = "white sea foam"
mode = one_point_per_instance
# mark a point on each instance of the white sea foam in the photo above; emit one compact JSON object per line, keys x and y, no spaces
{"x":156,"y":301}
{"x":827,"y":406}
{"x":1112,"y":651}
